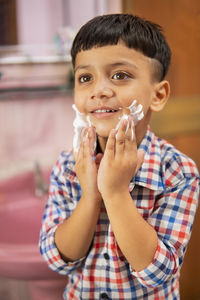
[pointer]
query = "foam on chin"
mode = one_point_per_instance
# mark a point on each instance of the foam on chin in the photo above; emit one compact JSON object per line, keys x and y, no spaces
{"x":81,"y":122}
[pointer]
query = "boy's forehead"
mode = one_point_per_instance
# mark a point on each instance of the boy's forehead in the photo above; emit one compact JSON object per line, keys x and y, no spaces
{"x":116,"y":64}
{"x":114,"y":55}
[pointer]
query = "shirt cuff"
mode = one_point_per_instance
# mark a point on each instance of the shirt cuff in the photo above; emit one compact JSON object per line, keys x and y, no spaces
{"x":53,"y":258}
{"x":163,"y":266}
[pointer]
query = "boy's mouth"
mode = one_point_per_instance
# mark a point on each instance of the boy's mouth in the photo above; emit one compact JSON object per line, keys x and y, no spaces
{"x":104,"y":112}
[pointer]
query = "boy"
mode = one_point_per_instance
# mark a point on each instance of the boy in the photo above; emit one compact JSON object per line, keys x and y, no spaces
{"x":118,"y":221}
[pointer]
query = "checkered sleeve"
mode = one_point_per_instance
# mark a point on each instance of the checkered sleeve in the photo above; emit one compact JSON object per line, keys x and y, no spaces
{"x":172,"y":218}
{"x":58,"y":208}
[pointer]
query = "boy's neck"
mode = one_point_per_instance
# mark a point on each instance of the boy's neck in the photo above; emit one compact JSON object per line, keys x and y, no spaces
{"x":102,"y":143}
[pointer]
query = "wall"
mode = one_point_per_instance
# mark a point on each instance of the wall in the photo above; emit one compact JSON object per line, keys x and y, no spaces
{"x":39,"y":21}
{"x":76,"y":13}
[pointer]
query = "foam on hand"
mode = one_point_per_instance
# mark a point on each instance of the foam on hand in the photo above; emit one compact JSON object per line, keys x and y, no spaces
{"x":80,"y":123}
{"x":136,"y":113}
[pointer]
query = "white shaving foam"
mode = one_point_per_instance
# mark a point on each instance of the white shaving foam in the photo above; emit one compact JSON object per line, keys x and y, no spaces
{"x":81,"y":122}
{"x":136,"y":113}
{"x":79,"y":125}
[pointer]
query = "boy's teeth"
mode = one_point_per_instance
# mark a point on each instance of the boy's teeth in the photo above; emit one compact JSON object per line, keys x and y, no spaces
{"x":104,"y":110}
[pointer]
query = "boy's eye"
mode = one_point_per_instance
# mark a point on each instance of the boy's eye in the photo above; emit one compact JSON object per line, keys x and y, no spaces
{"x":84,"y":78}
{"x":120,"y":76}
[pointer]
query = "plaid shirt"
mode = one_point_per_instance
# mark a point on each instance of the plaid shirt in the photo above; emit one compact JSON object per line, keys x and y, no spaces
{"x":165,"y":192}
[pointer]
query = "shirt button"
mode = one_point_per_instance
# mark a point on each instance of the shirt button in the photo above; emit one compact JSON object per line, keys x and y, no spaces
{"x":104,"y":296}
{"x":106,"y":256}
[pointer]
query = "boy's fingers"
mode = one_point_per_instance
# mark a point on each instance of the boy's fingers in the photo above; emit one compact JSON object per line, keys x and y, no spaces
{"x":140,"y":156}
{"x":84,"y":133}
{"x":110,"y":146}
{"x":83,"y":149}
{"x":130,"y":130}
{"x":86,"y":146}
{"x":98,"y":159}
{"x":79,"y":153}
{"x":121,"y":136}
{"x":92,"y":138}
{"x":130,"y":141}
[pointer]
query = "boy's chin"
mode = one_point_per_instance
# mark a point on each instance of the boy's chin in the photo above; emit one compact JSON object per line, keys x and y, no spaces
{"x":103,"y":132}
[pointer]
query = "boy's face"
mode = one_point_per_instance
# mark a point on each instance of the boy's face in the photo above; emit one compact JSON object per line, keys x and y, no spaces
{"x":107,"y":80}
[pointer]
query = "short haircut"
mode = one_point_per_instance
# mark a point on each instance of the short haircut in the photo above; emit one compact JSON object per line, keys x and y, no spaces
{"x":135,"y":32}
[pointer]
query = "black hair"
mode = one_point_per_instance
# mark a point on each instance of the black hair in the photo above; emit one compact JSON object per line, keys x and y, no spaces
{"x":135,"y":32}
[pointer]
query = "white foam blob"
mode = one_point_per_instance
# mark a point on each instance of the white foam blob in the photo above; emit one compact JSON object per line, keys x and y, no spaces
{"x":80,"y":123}
{"x":136,"y":113}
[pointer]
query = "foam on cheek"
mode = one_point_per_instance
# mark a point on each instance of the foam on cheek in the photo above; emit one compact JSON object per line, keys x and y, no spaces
{"x":136,"y":113}
{"x":79,"y":125}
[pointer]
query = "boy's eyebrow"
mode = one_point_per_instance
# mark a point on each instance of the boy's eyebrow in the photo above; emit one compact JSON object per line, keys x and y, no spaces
{"x":117,"y":64}
{"x":81,"y":67}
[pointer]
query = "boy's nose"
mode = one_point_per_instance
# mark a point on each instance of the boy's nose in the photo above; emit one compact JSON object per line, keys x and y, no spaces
{"x":101,"y":91}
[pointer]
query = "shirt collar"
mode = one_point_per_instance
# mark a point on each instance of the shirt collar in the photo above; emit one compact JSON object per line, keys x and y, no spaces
{"x":150,"y":173}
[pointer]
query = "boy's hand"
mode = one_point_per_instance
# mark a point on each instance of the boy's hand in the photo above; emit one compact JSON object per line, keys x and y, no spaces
{"x":86,"y":168}
{"x":120,"y":162}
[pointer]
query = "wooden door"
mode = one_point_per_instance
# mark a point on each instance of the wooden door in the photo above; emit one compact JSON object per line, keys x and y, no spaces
{"x":8,"y":23}
{"x":179,"y":122}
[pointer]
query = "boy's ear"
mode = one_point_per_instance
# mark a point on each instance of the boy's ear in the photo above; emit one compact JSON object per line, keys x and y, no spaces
{"x":161,"y":95}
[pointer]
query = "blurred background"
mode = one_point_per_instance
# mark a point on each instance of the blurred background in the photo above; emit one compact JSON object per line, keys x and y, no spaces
{"x":36,"y":95}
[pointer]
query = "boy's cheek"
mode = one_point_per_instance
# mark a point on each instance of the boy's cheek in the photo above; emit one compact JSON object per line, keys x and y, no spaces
{"x":128,"y":100}
{"x":80,"y":100}
{"x":125,"y":111}
{"x":79,"y":104}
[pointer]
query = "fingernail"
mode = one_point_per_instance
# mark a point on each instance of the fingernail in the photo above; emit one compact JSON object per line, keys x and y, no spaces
{"x":132,"y":132}
{"x":82,"y":131}
{"x":127,"y":127}
{"x":116,"y":135}
{"x":89,"y":130}
{"x":86,"y":137}
{"x":88,"y":120}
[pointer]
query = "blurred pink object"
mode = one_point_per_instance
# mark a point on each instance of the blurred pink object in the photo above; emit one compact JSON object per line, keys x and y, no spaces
{"x":20,"y":222}
{"x":34,"y":127}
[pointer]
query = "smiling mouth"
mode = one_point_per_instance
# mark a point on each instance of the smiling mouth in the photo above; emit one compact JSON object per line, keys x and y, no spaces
{"x":104,"y":111}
